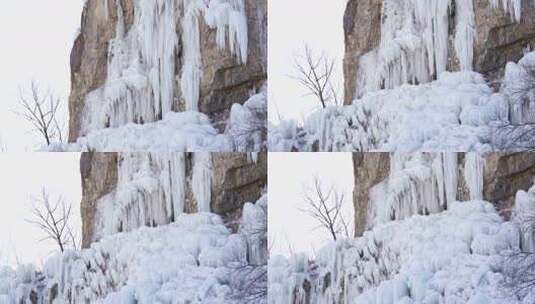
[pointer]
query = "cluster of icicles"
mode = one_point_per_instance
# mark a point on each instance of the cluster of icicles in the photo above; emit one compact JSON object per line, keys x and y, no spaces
{"x":141,"y":84}
{"x":414,"y":41}
{"x":423,"y":183}
{"x":151,"y":191}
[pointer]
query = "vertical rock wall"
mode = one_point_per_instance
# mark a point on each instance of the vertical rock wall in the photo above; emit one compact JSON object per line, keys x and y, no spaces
{"x":236,"y":180}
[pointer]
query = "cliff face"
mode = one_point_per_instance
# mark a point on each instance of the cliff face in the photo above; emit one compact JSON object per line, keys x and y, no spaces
{"x":442,"y":178}
{"x":106,"y":72}
{"x":124,"y":191}
{"x":499,"y":38}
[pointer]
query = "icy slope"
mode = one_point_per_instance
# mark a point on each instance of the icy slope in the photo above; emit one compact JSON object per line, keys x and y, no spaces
{"x":454,"y":113}
{"x":449,"y":257}
{"x":459,"y":112}
{"x":183,"y":131}
{"x":193,"y":260}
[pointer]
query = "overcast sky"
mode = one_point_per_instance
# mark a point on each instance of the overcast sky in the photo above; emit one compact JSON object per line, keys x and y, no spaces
{"x":37,"y":36}
{"x":22,"y":175}
{"x":288,"y":174}
{"x":318,"y":23}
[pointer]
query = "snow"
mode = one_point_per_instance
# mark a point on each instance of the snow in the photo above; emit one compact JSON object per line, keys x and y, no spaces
{"x":184,"y":131}
{"x":449,"y":257}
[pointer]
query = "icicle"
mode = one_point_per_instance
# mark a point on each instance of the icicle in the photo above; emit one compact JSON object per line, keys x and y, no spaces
{"x":513,"y":7}
{"x":465,"y":34}
{"x":473,"y":175}
{"x":450,"y":164}
{"x":202,"y":180}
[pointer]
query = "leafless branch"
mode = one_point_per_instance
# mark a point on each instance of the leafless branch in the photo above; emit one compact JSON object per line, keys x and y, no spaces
{"x":40,"y":109}
{"x":326,"y":208}
{"x":53,"y":218}
{"x":316,"y":74}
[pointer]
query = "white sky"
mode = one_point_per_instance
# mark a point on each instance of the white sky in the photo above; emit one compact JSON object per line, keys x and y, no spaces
{"x":37,"y":36}
{"x":288,"y":174}
{"x":22,"y":175}
{"x":318,"y":23}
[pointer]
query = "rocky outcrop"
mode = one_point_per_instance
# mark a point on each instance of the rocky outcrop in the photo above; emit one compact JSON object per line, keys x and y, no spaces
{"x":223,"y":80}
{"x":99,"y":177}
{"x":503,"y":175}
{"x":236,"y":180}
{"x":369,"y":169}
{"x":499,"y":38}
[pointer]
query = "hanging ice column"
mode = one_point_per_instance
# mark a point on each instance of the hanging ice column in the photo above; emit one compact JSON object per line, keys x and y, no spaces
{"x":473,"y":175}
{"x":150,"y":191}
{"x":140,"y":81}
{"x":229,"y":19}
{"x":202,"y":180}
{"x":419,"y":183}
{"x":414,"y":41}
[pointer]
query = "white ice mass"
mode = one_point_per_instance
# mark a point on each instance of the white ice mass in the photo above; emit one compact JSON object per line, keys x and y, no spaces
{"x":449,"y":257}
{"x":195,"y":259}
{"x":408,"y":97}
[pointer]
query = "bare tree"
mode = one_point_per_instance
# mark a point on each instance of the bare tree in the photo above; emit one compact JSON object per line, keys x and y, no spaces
{"x":326,"y":208}
{"x":40,"y":109}
{"x":316,"y":75}
{"x":54,"y":219}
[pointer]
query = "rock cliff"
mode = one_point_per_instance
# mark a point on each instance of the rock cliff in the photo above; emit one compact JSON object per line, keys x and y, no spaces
{"x":503,"y":174}
{"x":122,"y":191}
{"x":500,"y":36}
{"x":112,"y":72}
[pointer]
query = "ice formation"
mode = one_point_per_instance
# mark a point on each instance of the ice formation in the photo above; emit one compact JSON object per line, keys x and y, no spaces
{"x":417,"y":184}
{"x":202,"y":180}
{"x":449,"y":257}
{"x":414,"y":41}
{"x":473,"y":175}
{"x":194,"y":260}
{"x":518,"y":86}
{"x":141,"y":85}
{"x":457,"y":113}
{"x":151,"y":189}
{"x":184,"y":131}
{"x":524,"y":215}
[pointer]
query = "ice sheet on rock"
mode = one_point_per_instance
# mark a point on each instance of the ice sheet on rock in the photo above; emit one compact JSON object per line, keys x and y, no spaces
{"x":141,"y":86}
{"x":414,"y":45}
{"x":449,"y":257}
{"x":419,"y":183}
{"x":150,"y":192}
